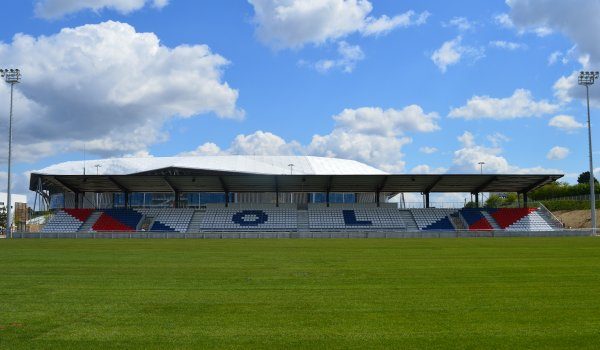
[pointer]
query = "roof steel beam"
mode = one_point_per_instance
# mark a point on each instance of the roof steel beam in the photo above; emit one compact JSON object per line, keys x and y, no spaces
{"x":118,"y":184}
{"x":433,"y":183}
{"x":485,"y":184}
{"x":71,"y":189}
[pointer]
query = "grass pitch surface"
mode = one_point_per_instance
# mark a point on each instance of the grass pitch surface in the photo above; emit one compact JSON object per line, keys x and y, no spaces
{"x":351,"y":293}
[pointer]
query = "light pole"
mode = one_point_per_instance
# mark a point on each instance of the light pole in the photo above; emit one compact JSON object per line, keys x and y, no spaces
{"x":291,"y":173}
{"x":11,"y":76}
{"x":586,"y":79}
{"x":481,"y":172}
{"x":98,"y":166}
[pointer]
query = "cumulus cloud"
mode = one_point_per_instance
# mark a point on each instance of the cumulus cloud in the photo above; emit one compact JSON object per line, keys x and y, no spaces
{"x":461,"y":23}
{"x":557,"y":153}
{"x":294,"y":23}
{"x":520,"y":105}
{"x":426,"y":169}
{"x":504,"y":20}
{"x":565,"y":123}
{"x":467,"y":158}
{"x":109,"y":87}
{"x":573,"y":19}
{"x":349,"y":55}
{"x":389,"y":122}
{"x":51,"y":9}
{"x":453,"y":51}
{"x":371,"y":135}
{"x":507,"y":45}
{"x":428,"y":150}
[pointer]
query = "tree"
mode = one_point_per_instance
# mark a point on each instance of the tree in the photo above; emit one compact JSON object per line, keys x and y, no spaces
{"x":584,"y":178}
{"x":3,"y":218}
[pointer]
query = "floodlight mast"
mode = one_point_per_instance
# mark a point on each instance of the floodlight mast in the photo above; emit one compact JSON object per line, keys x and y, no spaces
{"x":586,"y":79}
{"x":11,"y":76}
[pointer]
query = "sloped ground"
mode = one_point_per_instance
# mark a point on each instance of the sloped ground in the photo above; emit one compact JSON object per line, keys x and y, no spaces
{"x":576,"y":218}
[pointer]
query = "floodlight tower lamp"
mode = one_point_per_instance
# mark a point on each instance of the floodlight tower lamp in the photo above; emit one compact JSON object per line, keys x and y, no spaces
{"x":587,"y":78}
{"x":12,"y":76}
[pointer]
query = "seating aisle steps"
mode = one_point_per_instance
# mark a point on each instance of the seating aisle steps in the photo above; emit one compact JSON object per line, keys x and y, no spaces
{"x":303,"y":224}
{"x":491,"y":220}
{"x":87,"y":225}
{"x":409,"y":220}
{"x":196,"y":221}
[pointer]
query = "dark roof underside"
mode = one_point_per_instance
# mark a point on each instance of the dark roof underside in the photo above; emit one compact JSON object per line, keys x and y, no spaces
{"x":202,"y":181}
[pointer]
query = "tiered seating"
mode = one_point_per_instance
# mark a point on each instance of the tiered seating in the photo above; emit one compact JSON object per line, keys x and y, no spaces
{"x":475,"y":219}
{"x":508,"y":216}
{"x":323,"y":218}
{"x":169,"y":219}
{"x":67,"y":220}
{"x":531,"y":222}
{"x":117,"y":220}
{"x":256,"y":218}
{"x":433,"y":219}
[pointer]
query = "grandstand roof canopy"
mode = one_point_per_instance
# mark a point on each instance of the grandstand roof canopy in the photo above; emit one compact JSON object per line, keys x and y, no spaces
{"x":265,"y":174}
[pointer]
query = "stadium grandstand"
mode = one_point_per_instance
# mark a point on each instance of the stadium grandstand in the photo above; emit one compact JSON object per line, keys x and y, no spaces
{"x":271,"y":194}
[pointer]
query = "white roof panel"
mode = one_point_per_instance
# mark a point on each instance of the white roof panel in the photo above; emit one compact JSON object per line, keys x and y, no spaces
{"x":271,"y":165}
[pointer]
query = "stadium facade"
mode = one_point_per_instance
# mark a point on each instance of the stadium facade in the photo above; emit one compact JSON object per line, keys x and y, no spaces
{"x":216,"y":193}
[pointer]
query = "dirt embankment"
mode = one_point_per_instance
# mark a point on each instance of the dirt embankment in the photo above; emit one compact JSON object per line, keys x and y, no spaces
{"x":576,"y":218}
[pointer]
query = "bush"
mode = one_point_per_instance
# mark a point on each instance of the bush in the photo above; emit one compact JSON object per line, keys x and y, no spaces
{"x":568,"y":205}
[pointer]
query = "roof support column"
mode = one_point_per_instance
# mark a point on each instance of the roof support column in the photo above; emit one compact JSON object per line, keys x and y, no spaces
{"x":176,"y":201}
{"x":426,"y":199}
{"x":226,"y":199}
{"x":327,"y":199}
{"x":377,"y":195}
{"x":76,"y":200}
{"x":476,"y":199}
{"x":276,"y":192}
{"x":525,"y":199}
{"x":126,"y":194}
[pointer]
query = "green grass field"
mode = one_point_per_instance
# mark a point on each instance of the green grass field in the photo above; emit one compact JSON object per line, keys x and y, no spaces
{"x":538,"y":293}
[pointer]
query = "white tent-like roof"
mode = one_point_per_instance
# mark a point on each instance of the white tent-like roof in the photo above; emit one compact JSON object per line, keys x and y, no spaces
{"x":266,"y":165}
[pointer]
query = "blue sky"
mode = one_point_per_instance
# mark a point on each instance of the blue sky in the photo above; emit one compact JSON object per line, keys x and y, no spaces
{"x":405,"y":86}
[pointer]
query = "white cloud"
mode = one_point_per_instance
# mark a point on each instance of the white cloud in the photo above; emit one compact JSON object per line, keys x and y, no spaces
{"x":349,"y":56}
{"x":557,"y":153}
{"x":554,"y":57}
{"x":426,"y":169}
{"x":520,"y":105}
{"x":109,"y":87}
{"x":51,"y":9}
{"x":389,"y":122}
{"x":507,"y":45}
{"x":294,"y":23}
{"x":575,"y":20}
{"x":384,"y":24}
{"x":497,"y":138}
{"x":369,"y":134}
{"x":565,"y":123}
{"x":461,"y":23}
{"x":451,"y":52}
{"x":428,"y":150}
{"x":504,"y":20}
{"x":467,"y":158}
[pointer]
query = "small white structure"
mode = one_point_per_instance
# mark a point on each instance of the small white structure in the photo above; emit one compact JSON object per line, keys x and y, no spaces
{"x":15,"y":198}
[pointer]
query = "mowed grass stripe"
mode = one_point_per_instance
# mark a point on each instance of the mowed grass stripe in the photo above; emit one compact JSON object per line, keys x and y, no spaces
{"x":350,"y":293}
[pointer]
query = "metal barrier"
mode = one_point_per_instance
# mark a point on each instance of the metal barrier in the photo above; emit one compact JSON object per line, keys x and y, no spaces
{"x":306,"y":234}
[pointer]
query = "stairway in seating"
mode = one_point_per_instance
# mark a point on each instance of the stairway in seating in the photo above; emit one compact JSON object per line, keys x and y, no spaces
{"x":87,"y":225}
{"x":303,"y":224}
{"x":196,"y":221}
{"x":491,"y":220}
{"x":409,"y":220}
{"x":457,"y":222}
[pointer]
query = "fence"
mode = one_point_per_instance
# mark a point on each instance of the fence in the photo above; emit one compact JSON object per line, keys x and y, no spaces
{"x":260,"y":235}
